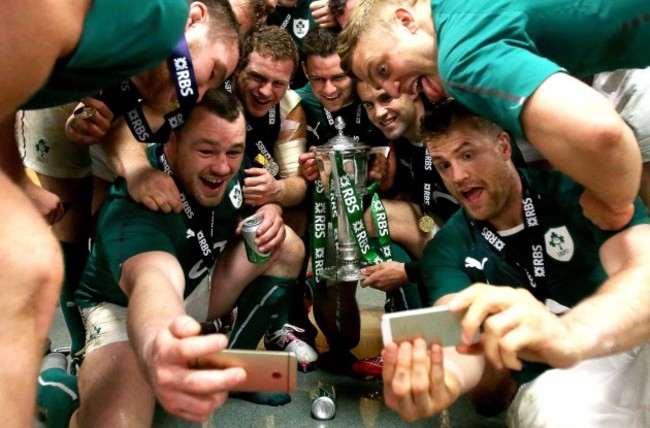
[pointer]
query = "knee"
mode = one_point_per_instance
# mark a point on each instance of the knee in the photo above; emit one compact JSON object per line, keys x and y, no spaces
{"x":32,"y":273}
{"x":293,"y":251}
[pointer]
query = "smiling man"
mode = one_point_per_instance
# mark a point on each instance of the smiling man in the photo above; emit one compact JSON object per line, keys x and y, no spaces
{"x":331,"y":93}
{"x":275,"y":138}
{"x":152,"y":277}
{"x":514,"y":63}
{"x":275,"y":120}
{"x":416,"y":192}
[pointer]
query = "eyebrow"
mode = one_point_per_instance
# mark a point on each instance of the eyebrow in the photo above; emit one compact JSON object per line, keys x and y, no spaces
{"x":370,"y":79}
{"x":455,"y":151}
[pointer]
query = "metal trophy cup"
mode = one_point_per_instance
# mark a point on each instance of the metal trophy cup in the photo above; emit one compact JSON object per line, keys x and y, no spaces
{"x":347,"y":264}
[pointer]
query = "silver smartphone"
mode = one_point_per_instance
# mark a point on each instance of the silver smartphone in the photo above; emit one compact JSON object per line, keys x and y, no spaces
{"x":267,"y":371}
{"x":436,"y":323}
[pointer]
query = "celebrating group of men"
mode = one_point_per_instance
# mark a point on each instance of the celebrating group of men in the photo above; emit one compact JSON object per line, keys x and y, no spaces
{"x":547,"y":268}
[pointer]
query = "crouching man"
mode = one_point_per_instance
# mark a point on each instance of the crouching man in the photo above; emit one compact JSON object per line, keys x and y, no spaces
{"x":561,"y":306}
{"x":152,"y":276}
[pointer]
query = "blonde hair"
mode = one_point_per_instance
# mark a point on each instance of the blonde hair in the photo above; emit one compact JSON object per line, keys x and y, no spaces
{"x":366,"y":16}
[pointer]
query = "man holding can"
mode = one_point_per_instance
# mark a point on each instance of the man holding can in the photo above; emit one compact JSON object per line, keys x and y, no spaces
{"x":152,"y":276}
{"x":275,"y":138}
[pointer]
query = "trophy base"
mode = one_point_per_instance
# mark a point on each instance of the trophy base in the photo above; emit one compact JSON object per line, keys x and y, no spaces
{"x":347,"y":272}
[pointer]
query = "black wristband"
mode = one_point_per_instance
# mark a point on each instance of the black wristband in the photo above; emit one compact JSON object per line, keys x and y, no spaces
{"x":413,"y":272}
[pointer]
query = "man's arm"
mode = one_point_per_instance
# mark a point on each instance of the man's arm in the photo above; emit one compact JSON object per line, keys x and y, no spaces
{"x":516,"y":326}
{"x":166,"y":341}
{"x":582,"y":135}
{"x":290,"y":145}
{"x":322,"y":14}
{"x":146,"y":185}
{"x":261,"y":188}
{"x":385,"y":276}
{"x":617,"y":317}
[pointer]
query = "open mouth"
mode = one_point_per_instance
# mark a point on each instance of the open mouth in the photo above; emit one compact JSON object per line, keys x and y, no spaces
{"x":212,"y":184}
{"x":417,"y":86}
{"x":386,"y":123}
{"x":261,"y":101}
{"x":473,"y":194}
{"x":431,"y":90}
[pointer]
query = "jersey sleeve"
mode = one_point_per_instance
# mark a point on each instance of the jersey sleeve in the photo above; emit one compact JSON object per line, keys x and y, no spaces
{"x":494,"y":69}
{"x":129,"y":229}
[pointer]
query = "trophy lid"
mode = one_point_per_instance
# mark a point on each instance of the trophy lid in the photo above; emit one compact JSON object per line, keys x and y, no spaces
{"x":341,"y":142}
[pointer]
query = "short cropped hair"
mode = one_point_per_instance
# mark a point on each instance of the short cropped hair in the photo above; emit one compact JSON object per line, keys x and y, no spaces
{"x":320,"y":42}
{"x":223,"y":22}
{"x":221,"y":103}
{"x":270,"y":41}
{"x":441,"y":117}
{"x":366,"y":15}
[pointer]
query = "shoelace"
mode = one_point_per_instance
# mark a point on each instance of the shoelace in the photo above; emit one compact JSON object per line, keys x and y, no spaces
{"x":286,"y":335}
{"x":375,"y":361}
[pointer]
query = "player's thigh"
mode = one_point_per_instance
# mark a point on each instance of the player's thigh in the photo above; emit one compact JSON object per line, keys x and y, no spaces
{"x":112,"y":387}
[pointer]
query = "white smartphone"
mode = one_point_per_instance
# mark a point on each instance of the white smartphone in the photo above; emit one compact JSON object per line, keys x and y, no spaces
{"x":267,"y":371}
{"x":436,"y":323}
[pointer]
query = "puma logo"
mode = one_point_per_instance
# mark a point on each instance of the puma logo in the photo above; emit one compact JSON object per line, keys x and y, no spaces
{"x":440,"y":195}
{"x":473,"y":263}
{"x":314,"y":130}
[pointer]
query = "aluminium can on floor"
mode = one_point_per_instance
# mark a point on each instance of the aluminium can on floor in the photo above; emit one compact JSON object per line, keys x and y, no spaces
{"x":323,"y":404}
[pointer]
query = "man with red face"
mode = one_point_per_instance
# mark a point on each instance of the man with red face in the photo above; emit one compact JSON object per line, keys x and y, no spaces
{"x":519,"y":64}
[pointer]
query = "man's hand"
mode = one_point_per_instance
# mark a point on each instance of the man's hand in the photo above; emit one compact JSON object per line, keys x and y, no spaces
{"x":416,"y":384}
{"x":320,"y":11}
{"x":261,"y":188}
{"x":155,"y":190}
{"x":515,"y":326}
{"x":308,"y":166}
{"x":605,"y":216}
{"x":378,"y":168}
{"x":385,"y":276}
{"x":89,"y":130}
{"x":189,"y":393}
{"x":47,"y":203}
{"x":271,"y":232}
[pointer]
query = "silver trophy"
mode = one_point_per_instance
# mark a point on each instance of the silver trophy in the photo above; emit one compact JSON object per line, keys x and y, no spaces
{"x":345,"y":264}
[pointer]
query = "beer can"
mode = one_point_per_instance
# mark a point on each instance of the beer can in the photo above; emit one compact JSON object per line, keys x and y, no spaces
{"x":323,"y":405}
{"x":249,"y":233}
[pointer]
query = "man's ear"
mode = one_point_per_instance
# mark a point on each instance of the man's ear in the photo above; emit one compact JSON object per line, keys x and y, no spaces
{"x":172,"y":141}
{"x":198,"y":13}
{"x":505,"y":145}
{"x":405,"y":18}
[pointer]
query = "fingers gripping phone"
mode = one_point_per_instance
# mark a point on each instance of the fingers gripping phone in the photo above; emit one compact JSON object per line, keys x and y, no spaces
{"x":433,"y":324}
{"x":267,"y":371}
